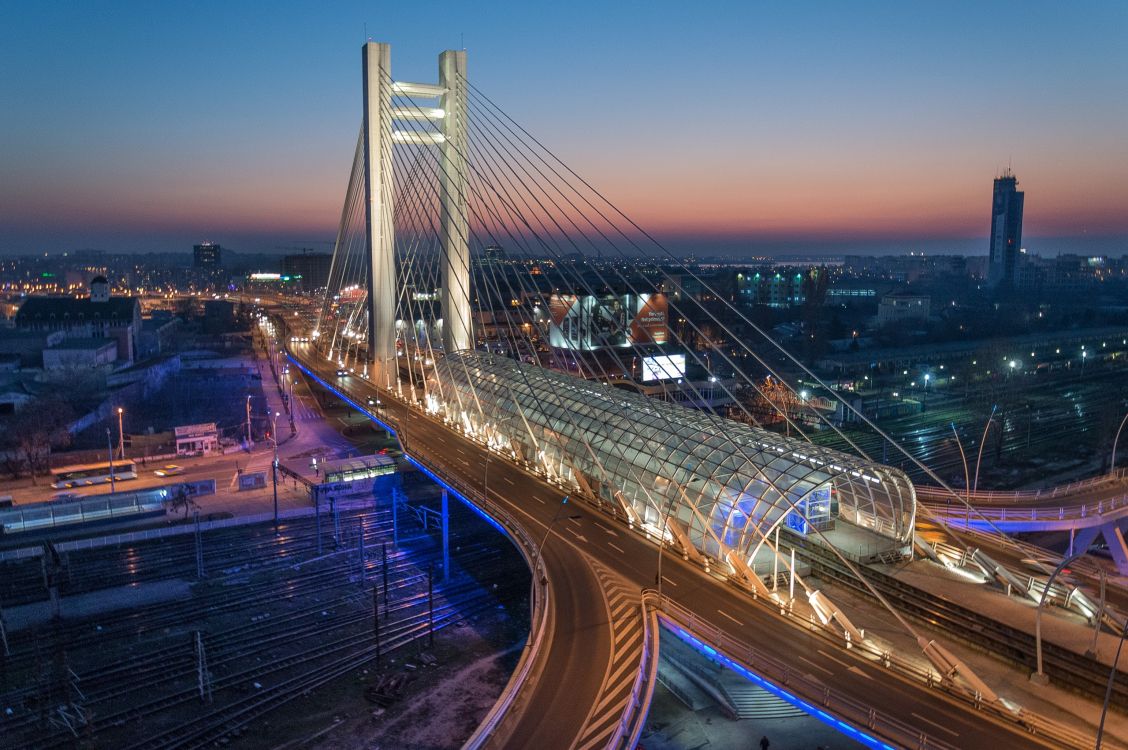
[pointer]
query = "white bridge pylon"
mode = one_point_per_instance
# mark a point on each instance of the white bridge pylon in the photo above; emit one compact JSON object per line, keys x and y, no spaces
{"x":379,"y":136}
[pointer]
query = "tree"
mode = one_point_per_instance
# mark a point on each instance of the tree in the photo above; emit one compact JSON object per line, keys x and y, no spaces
{"x":36,"y":429}
{"x":183,"y":498}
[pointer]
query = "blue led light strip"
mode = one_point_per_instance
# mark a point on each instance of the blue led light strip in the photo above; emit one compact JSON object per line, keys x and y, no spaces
{"x":832,"y":721}
{"x":466,"y":501}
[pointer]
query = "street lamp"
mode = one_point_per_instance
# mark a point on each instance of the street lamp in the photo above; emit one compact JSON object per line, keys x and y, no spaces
{"x":982,"y":442}
{"x":291,"y":402}
{"x":110,"y":446}
{"x":1112,"y":466}
{"x":274,"y":470}
{"x":121,"y":437}
{"x":248,"y":421}
{"x":1038,"y":677}
{"x":967,"y":477}
{"x":924,"y":401}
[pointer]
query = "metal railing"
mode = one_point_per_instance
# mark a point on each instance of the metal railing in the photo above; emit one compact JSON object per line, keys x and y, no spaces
{"x":1061,"y":490}
{"x":814,"y":696}
{"x":631,"y":723}
{"x":956,"y":513}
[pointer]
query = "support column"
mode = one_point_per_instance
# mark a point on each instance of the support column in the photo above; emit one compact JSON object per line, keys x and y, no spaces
{"x":457,"y":334}
{"x":379,"y":222}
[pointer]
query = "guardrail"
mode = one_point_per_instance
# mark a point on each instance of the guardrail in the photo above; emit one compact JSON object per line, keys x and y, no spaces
{"x":929,"y":491}
{"x":816,"y":697}
{"x":634,"y":718}
{"x":956,"y":513}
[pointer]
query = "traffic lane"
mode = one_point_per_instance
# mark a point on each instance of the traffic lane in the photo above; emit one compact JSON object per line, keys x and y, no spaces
{"x":746,"y":620}
{"x":571,"y":678}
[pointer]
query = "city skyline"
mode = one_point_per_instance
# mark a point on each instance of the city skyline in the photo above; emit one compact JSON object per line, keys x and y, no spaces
{"x":735,"y":131}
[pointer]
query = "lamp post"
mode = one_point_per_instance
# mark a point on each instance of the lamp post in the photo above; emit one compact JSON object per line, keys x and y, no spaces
{"x":1112,"y":466}
{"x":547,"y":529}
{"x":967,"y":477}
{"x":982,"y":442}
{"x":110,"y":450}
{"x":121,"y":437}
{"x":924,"y":401}
{"x":1039,"y":677}
{"x":248,"y":421}
{"x":291,"y":402}
{"x":274,"y":471}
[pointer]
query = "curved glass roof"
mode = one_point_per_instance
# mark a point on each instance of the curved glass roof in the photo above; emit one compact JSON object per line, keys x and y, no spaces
{"x":728,"y":484}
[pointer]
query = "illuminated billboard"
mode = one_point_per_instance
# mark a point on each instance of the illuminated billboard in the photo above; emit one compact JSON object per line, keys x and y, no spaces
{"x":612,"y":320}
{"x":663,"y":367}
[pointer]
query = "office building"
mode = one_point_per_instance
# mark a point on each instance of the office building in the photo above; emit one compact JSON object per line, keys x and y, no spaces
{"x":207,"y":255}
{"x":310,"y":270}
{"x":1006,"y":232}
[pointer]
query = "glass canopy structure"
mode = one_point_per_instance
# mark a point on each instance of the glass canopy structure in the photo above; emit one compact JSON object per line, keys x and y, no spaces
{"x":727,"y":485}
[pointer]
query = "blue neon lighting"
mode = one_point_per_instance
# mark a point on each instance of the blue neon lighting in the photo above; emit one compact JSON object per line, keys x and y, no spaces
{"x":434,"y":477}
{"x":832,"y":721}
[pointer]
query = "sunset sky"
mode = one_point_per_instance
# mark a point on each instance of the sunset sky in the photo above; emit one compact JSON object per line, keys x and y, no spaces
{"x":747,"y":127}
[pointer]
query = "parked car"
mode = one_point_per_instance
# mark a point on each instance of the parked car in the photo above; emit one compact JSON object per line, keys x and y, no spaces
{"x":65,"y":497}
{"x":342,"y":373}
{"x":169,"y":471}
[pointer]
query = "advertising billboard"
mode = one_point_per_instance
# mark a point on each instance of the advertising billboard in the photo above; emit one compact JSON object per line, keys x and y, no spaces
{"x":663,"y":367}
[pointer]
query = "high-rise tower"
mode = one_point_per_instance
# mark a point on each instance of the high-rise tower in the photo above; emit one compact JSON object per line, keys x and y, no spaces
{"x":1006,"y":231}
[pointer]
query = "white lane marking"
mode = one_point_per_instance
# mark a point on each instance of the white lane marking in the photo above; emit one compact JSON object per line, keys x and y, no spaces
{"x":580,"y":537}
{"x":941,"y":727}
{"x":537,"y":499}
{"x":511,"y":482}
{"x":836,"y":661}
{"x":726,"y":614}
{"x":612,"y":544}
{"x":667,"y":580}
{"x":859,"y":672}
{"x":573,"y":520}
{"x":819,"y":667}
{"x":609,"y":531}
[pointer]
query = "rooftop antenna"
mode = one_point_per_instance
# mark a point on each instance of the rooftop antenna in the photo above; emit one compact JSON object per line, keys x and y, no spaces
{"x":462,"y":40}
{"x":366,"y":37}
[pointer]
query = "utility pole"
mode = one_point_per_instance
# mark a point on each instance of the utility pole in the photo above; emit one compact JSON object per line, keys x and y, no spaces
{"x":199,"y":549}
{"x":385,"y":568}
{"x":376,"y":622}
{"x":360,"y":550}
{"x":395,"y":517}
{"x":110,"y":445}
{"x":431,"y":605}
{"x":248,"y":421}
{"x":274,"y":472}
{"x":121,"y":437}
{"x":446,"y":537}
{"x":203,"y":677}
{"x":4,"y":634}
{"x":317,"y":517}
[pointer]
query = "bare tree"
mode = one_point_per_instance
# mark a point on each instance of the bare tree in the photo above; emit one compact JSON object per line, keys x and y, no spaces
{"x":36,"y":429}
{"x":183,"y":498}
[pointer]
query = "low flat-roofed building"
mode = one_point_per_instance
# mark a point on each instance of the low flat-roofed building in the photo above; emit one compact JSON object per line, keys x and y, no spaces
{"x":196,"y":439}
{"x":895,"y":308}
{"x":76,"y":353}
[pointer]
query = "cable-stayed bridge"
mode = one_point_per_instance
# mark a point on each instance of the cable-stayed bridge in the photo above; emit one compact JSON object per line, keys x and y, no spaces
{"x":544,"y":356}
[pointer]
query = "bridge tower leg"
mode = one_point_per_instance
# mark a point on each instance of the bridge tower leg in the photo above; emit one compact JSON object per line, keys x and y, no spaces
{"x":455,"y":225}
{"x":379,"y":222}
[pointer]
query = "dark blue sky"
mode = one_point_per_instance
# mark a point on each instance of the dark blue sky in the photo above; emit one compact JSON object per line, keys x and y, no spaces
{"x":745,"y":126}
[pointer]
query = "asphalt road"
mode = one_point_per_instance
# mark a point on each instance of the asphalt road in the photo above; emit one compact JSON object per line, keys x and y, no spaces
{"x":574,"y":665}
